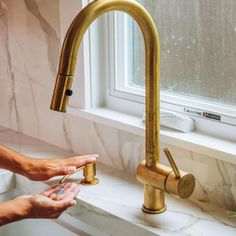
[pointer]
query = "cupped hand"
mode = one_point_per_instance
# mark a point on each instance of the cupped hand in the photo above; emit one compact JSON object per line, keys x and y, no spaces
{"x":44,"y":169}
{"x":48,"y":204}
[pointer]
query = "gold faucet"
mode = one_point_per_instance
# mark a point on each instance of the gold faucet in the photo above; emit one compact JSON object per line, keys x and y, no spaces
{"x":157,"y":178}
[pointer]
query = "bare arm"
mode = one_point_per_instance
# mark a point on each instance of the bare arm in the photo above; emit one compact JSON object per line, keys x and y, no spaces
{"x":13,"y":210}
{"x":46,"y":204}
{"x":40,"y":169}
{"x":12,"y":160}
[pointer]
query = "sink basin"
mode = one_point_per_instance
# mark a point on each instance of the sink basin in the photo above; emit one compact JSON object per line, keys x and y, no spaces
{"x":35,"y":228}
{"x":7,"y":181}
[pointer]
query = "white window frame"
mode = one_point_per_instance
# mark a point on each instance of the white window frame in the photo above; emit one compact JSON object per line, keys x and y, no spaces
{"x":210,"y":118}
{"x":120,"y":87}
{"x":90,"y":78}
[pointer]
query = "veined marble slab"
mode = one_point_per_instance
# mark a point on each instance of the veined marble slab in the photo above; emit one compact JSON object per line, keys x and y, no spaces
{"x":114,"y":205}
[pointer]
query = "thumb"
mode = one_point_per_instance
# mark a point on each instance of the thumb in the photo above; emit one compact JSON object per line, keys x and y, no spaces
{"x":63,"y":205}
{"x":64,"y":170}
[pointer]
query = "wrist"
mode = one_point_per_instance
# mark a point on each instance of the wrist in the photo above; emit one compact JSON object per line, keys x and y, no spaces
{"x":15,"y":210}
{"x":24,"y":165}
{"x":35,"y":169}
{"x":22,"y":207}
{"x":30,"y":167}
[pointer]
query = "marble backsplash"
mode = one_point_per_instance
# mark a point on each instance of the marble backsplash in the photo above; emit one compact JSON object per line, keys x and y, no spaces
{"x":29,"y":54}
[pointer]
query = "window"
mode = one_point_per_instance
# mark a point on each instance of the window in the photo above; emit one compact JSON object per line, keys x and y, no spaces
{"x":198,"y":48}
{"x":198,"y":54}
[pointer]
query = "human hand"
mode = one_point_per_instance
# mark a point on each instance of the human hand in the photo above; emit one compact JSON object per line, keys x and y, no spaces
{"x":48,"y":204}
{"x":44,"y":169}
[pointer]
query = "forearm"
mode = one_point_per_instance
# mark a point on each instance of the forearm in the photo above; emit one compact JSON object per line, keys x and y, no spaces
{"x":13,"y":210}
{"x":12,"y":160}
{"x":41,"y":169}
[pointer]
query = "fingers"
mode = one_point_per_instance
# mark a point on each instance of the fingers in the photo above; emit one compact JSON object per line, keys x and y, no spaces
{"x":70,"y":191}
{"x":44,"y":207}
{"x":60,"y":206}
{"x":70,"y":164}
{"x":53,"y":189}
{"x":68,"y":169}
{"x":79,"y":161}
{"x":68,"y":200}
{"x":46,"y":169}
{"x":49,"y":191}
{"x":71,"y":195}
{"x":66,"y":189}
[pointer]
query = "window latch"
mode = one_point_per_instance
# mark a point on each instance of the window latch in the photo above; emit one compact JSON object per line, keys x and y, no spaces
{"x":207,"y":115}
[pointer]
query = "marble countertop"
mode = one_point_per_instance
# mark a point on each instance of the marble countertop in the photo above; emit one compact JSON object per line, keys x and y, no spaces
{"x":114,"y":205}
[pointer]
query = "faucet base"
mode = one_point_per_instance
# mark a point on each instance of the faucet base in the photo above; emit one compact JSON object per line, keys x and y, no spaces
{"x":154,"y":201}
{"x":92,"y":182}
{"x":149,"y":211}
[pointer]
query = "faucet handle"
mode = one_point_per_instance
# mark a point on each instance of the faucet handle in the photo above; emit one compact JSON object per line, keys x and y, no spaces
{"x":172,"y":162}
{"x":181,"y":185}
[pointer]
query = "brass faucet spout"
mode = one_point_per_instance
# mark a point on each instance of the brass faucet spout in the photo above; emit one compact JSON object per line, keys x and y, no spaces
{"x":69,"y":56}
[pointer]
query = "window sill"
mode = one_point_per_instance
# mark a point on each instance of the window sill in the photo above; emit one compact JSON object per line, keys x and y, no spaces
{"x":193,"y":141}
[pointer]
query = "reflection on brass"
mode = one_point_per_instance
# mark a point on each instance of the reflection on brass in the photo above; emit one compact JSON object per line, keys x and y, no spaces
{"x":156,"y":178}
{"x":163,"y":178}
{"x":89,"y":172}
{"x":63,"y":83}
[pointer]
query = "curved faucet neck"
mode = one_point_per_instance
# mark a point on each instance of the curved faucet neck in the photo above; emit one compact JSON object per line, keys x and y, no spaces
{"x":69,"y":56}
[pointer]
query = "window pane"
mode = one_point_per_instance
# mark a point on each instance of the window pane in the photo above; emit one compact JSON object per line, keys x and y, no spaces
{"x":198,"y":48}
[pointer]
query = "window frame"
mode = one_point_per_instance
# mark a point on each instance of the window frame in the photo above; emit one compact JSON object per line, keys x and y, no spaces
{"x":90,"y":97}
{"x":206,"y":114}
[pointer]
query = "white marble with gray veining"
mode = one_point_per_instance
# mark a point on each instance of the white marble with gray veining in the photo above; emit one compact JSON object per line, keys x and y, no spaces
{"x":29,"y":54}
{"x":114,"y":205}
